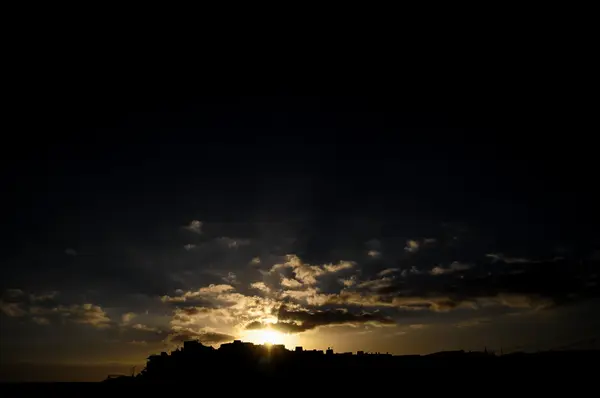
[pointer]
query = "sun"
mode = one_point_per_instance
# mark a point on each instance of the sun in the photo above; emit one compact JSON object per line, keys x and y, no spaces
{"x":266,"y":336}
{"x":270,"y":337}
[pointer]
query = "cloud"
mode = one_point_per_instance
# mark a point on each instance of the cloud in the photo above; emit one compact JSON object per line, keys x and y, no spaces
{"x":290,"y":283}
{"x":412,"y":246}
{"x":224,"y":308}
{"x":232,"y":243}
{"x":300,"y":321}
{"x":127,"y":317}
{"x":138,"y":342}
{"x":43,"y":307}
{"x":189,"y":246}
{"x":71,"y":252}
{"x":195,"y":226}
{"x":509,"y":260}
{"x":12,"y":309}
{"x":348,"y":282}
{"x":49,"y":296}
{"x":454,"y":267}
{"x":255,"y":261}
{"x":388,"y":271}
{"x":88,"y":314}
{"x":499,"y":257}
{"x":204,"y":292}
{"x":535,"y":286}
{"x":230,"y":278}
{"x":342,"y":265}
{"x":376,"y":284}
{"x":307,"y":274}
{"x":310,"y":296}
{"x":260,"y":286}
{"x":374,"y":253}
{"x":204,"y":336}
{"x":411,"y":271}
{"x":145,"y":328}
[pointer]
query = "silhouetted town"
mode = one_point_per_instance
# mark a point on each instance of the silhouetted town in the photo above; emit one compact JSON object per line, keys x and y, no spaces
{"x":243,"y":360}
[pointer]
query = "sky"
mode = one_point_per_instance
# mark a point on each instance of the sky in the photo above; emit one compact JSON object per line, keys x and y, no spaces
{"x":134,"y":224}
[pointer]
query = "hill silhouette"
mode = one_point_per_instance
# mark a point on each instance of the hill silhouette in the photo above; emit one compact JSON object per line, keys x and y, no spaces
{"x":242,"y":361}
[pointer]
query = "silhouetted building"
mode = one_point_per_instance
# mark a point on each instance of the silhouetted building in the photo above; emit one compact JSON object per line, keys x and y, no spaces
{"x":243,"y":359}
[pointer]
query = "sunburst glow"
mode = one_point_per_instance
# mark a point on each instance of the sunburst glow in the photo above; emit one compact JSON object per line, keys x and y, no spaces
{"x":268,"y":336}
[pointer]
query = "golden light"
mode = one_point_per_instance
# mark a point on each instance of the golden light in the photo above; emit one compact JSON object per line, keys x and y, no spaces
{"x":268,"y":336}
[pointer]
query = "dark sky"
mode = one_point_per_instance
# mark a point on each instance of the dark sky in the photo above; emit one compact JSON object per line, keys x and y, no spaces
{"x":132,"y":221}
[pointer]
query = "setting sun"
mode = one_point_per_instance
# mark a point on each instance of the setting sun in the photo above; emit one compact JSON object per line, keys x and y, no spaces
{"x":268,"y":336}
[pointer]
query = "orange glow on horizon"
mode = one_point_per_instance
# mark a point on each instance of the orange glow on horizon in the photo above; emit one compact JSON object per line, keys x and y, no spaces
{"x":269,"y":336}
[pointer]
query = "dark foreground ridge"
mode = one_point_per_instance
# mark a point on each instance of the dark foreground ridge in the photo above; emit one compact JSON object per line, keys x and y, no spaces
{"x":239,"y":360}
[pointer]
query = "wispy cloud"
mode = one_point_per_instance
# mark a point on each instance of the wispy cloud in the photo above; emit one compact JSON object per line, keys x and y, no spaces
{"x":520,"y":260}
{"x":454,"y":267}
{"x":374,"y":253}
{"x":412,"y":246}
{"x":233,"y":243}
{"x":388,"y":271}
{"x":194,"y":226}
{"x":127,"y":317}
{"x":307,"y":274}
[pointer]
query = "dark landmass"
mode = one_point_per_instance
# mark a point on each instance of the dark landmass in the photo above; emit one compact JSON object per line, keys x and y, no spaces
{"x":239,"y":362}
{"x":271,"y":370}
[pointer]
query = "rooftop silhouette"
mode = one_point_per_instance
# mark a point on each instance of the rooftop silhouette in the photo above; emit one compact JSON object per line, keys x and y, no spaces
{"x":243,"y":360}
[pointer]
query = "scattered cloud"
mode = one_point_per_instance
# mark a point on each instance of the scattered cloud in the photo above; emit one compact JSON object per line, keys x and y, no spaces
{"x":12,"y":309}
{"x":454,"y":267}
{"x":232,"y":243}
{"x":127,"y":317}
{"x":204,"y":336}
{"x":138,"y":342}
{"x":388,"y":271}
{"x":374,"y":253}
{"x":42,"y":307}
{"x":260,"y":286}
{"x":230,"y":278}
{"x":195,"y":226}
{"x":49,"y":296}
{"x":290,"y":283}
{"x":348,"y":282}
{"x":412,"y":246}
{"x":203,"y":292}
{"x":411,"y":271}
{"x":255,"y":261}
{"x":307,"y":274}
{"x":300,"y":321}
{"x":145,"y":328}
{"x":496,"y":257}
{"x":88,"y":314}
{"x":508,"y":260}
